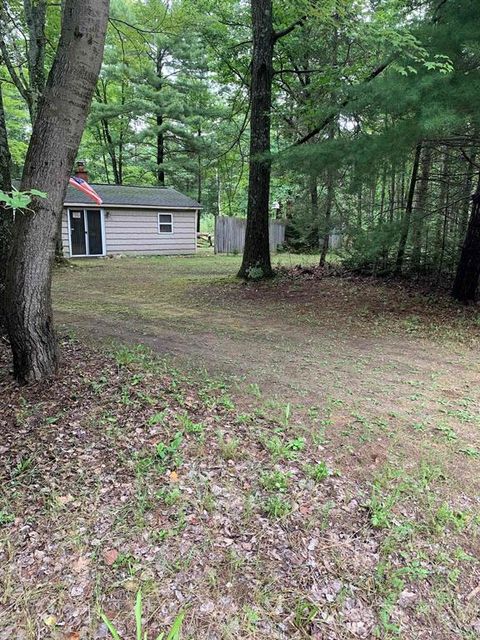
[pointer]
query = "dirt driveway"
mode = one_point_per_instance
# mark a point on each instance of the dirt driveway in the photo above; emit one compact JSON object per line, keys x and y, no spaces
{"x":299,"y":338}
{"x":379,"y":352}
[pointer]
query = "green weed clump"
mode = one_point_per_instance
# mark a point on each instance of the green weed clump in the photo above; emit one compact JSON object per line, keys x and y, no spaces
{"x":141,"y":633}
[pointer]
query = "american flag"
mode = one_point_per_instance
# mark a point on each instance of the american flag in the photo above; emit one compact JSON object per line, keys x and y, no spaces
{"x":84,"y":187}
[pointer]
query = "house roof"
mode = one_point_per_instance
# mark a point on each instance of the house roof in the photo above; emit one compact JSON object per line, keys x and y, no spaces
{"x":121,"y":195}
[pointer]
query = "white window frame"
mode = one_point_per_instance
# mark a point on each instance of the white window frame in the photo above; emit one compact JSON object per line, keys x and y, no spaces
{"x":87,"y":244}
{"x":164,"y":213}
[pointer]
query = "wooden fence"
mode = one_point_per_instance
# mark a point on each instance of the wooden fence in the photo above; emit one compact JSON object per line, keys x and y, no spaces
{"x":230,"y":234}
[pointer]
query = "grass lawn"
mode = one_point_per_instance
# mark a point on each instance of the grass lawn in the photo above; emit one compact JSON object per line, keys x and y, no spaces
{"x":292,"y":459}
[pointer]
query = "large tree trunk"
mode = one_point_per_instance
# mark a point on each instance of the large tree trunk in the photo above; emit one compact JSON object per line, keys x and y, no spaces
{"x":256,"y":254}
{"x":54,"y":143}
{"x":408,"y":212}
{"x":468,"y":270}
{"x":6,"y":217}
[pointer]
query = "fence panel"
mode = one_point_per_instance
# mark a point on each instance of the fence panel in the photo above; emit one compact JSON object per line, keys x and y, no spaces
{"x":230,"y":234}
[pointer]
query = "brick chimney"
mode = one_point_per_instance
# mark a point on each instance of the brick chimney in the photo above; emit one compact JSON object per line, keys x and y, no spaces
{"x":80,"y":171}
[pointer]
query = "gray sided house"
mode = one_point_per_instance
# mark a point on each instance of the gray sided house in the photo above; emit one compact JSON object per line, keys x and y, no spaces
{"x":131,"y":221}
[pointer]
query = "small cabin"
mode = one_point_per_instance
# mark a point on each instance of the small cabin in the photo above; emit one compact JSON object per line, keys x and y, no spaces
{"x":130,"y":221}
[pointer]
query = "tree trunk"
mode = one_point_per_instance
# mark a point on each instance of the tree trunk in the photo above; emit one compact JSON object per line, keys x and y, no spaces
{"x":256,"y":254}
{"x":160,"y":131}
{"x":468,"y":270}
{"x":442,"y":210}
{"x":420,"y":209}
{"x":315,"y":209}
{"x":35,"y":14}
{"x":465,"y":209}
{"x":328,"y":216}
{"x":199,"y":178}
{"x":102,"y":97}
{"x":54,"y":143}
{"x":6,"y":217}
{"x":408,"y":212}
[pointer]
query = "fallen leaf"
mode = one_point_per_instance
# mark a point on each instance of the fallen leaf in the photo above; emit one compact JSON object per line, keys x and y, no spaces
{"x":109,"y":556}
{"x":131,"y":585}
{"x":81,"y":564}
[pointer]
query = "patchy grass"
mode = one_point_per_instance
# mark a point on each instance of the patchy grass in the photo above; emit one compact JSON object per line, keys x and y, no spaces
{"x":303,"y":463}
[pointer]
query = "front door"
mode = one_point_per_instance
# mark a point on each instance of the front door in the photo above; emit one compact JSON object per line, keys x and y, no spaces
{"x":78,"y":233}
{"x":86,"y":232}
{"x":94,"y":229}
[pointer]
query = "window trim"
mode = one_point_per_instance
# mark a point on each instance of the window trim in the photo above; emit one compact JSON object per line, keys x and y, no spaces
{"x":163,"y":213}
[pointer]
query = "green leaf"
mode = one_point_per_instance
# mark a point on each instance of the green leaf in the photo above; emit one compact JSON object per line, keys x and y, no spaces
{"x":110,"y":627}
{"x":138,"y":614}
{"x":176,"y":628}
{"x":39,"y":194}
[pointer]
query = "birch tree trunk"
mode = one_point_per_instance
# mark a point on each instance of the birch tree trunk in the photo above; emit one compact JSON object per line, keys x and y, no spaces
{"x":54,"y":143}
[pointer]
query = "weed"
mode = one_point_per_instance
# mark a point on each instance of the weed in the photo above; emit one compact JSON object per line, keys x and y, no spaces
{"x":207,"y":500}
{"x":141,"y":633}
{"x":286,"y":450}
{"x":157,"y":418}
{"x":189,"y":426}
{"x":145,"y":398}
{"x":126,"y":561}
{"x":169,"y":496}
{"x":305,"y":613}
{"x":161,"y":535}
{"x":447,"y":431}
{"x":255,"y":390}
{"x":446,"y":516}
{"x":226,"y":402}
{"x":125,"y":356}
{"x":254,"y":273}
{"x":23,"y":465}
{"x":380,"y":507}
{"x":98,"y":386}
{"x":164,"y":454}
{"x":275,"y":481}
{"x":169,"y":452}
{"x":317,"y":472}
{"x":277,"y":506}
{"x":470,"y":452}
{"x":252,"y":618}
{"x":6,"y":518}
{"x":229,"y":448}
{"x":287,"y":413}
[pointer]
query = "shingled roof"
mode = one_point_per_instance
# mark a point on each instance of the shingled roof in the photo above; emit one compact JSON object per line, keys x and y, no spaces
{"x":121,"y":195}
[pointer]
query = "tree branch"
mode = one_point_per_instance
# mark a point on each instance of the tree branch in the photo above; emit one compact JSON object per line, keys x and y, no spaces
{"x":376,"y":72}
{"x":284,"y":32}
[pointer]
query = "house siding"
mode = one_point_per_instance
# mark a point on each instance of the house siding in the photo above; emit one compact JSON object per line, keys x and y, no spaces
{"x":135,"y":232}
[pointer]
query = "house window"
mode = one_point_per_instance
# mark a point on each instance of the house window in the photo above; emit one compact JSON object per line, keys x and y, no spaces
{"x":165,"y":223}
